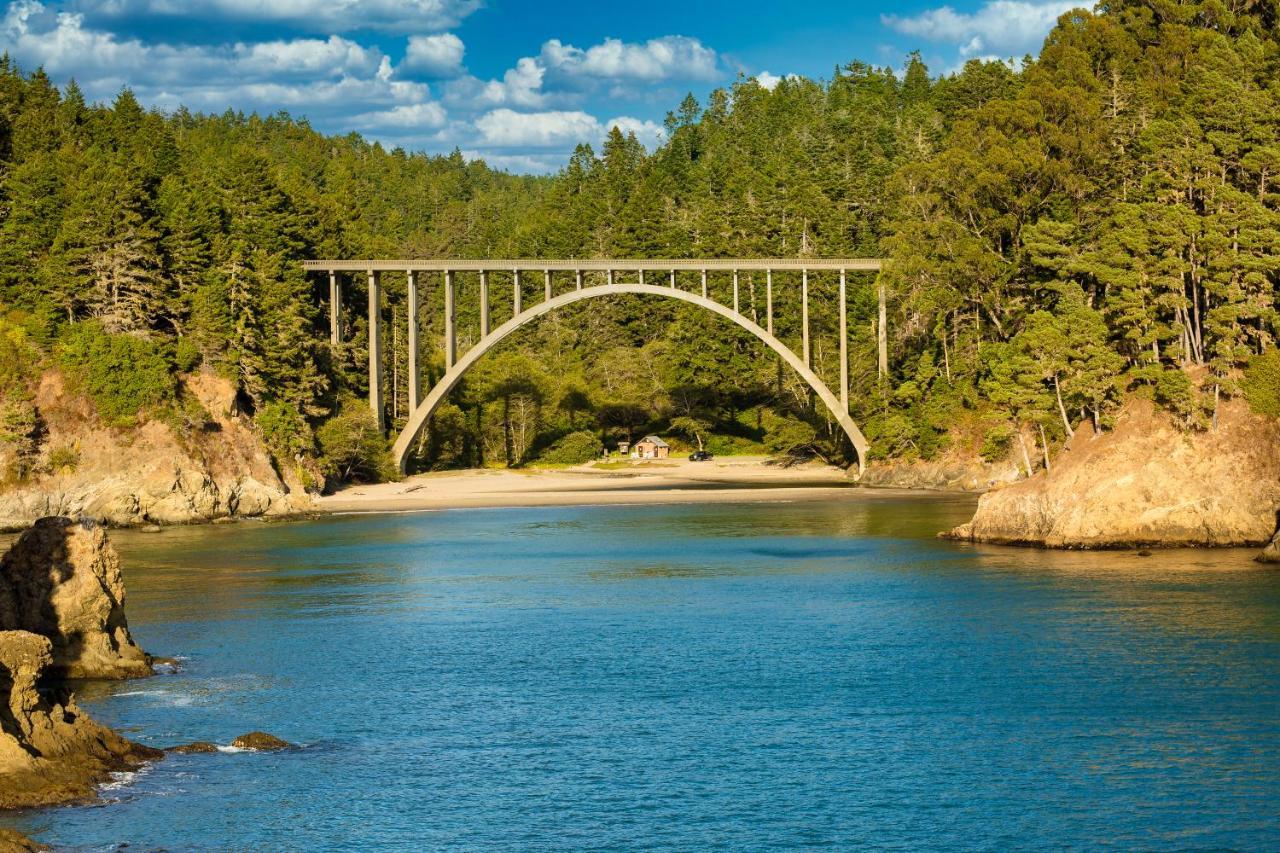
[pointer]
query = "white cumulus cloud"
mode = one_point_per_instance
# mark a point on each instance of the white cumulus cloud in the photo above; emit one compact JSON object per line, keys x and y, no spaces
{"x":506,"y":128}
{"x":666,"y":58}
{"x":1004,"y":27}
{"x":314,"y":15}
{"x":439,"y":55}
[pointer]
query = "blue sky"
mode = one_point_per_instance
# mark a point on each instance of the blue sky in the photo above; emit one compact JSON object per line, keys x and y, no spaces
{"x":516,"y":83}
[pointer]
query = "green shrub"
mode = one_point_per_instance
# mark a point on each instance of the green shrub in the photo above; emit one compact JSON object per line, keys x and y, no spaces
{"x":352,"y":448}
{"x":186,"y":355}
{"x":1261,"y":383}
{"x":122,"y":374}
{"x":284,"y":430}
{"x":573,"y":449}
{"x":63,"y":458}
{"x":996,"y":443}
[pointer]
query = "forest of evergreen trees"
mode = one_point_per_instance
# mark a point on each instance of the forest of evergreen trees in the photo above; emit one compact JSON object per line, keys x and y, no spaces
{"x":1102,"y":222}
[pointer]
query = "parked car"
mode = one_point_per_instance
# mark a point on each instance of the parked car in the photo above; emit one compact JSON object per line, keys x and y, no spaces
{"x":700,"y":456}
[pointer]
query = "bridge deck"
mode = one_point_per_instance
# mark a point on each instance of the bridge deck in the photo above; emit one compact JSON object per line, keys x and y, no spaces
{"x":601,"y":264}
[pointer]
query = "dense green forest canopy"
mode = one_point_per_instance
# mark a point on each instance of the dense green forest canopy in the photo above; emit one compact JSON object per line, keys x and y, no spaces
{"x":1102,"y":221}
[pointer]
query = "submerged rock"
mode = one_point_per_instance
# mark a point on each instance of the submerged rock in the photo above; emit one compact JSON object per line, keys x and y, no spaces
{"x":12,"y":840}
{"x":1149,"y":483}
{"x":62,"y":580}
{"x":261,"y":741}
{"x":51,"y":752}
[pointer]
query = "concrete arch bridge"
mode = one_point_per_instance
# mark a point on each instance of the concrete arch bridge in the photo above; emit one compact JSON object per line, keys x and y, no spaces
{"x":590,"y":279}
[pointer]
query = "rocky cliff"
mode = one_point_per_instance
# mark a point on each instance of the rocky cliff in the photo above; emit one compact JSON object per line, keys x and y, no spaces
{"x":156,"y":473}
{"x":61,"y":579}
{"x":1147,"y":482}
{"x":1271,"y":553}
{"x":50,"y":751}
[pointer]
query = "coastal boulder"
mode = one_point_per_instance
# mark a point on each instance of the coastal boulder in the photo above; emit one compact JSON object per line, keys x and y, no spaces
{"x":1271,"y":554}
{"x":261,"y":741}
{"x":1147,"y":482}
{"x":50,"y":751}
{"x":61,"y":579}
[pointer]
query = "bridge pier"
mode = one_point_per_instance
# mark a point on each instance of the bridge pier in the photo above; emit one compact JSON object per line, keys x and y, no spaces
{"x":735,"y":292}
{"x":546,"y":284}
{"x":450,"y":322}
{"x":768,"y":300}
{"x":375,"y":349}
{"x":516,"y":300}
{"x":415,"y":380}
{"x":484,"y":303}
{"x":804,"y":315}
{"x":844,"y":344}
{"x":335,"y":309}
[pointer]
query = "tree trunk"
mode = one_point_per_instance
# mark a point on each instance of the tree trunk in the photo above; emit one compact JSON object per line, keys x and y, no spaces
{"x":1061,"y":408}
{"x":1044,"y":445}
{"x":1026,"y":456}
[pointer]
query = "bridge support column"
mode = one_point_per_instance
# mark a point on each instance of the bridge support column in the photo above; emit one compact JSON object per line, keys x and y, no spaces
{"x":415,"y":380}
{"x":546,"y":284}
{"x":768,"y":300}
{"x":735,"y":292}
{"x":516,"y":301}
{"x":335,"y":309}
{"x":484,"y":303}
{"x":844,"y":344}
{"x":450,"y":326}
{"x":375,"y":349}
{"x":804,"y":314}
{"x":642,"y":276}
{"x":673,"y":279}
{"x":577,"y":279}
{"x":609,"y":278}
{"x":704,"y":284}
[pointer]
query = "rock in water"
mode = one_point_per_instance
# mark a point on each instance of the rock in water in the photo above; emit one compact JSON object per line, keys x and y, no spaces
{"x":50,"y":751}
{"x":261,"y":741}
{"x":61,"y":579}
{"x":1271,"y":554}
{"x":200,"y":747}
{"x":1148,"y":482}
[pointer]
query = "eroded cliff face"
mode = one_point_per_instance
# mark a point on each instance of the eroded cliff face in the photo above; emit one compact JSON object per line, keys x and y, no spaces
{"x":1147,"y":482}
{"x":61,"y":580}
{"x":51,"y":752}
{"x":149,"y":474}
{"x":1271,"y":553}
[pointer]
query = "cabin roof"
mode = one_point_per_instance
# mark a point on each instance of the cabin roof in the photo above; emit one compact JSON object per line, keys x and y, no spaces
{"x":654,"y":440}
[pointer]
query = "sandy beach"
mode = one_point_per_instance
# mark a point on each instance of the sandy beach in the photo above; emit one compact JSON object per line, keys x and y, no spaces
{"x":737,"y":478}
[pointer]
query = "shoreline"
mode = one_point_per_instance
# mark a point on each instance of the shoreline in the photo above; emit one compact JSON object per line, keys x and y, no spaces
{"x":739,"y":479}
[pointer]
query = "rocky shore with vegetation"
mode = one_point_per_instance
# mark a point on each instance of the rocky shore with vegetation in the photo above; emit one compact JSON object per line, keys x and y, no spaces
{"x":62,"y":620}
{"x":1147,"y":482}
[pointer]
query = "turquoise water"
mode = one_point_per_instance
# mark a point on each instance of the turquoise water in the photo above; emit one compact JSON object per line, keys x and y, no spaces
{"x":733,"y":677}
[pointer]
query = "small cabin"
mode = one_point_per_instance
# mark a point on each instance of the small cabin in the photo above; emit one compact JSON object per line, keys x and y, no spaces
{"x":651,"y":447}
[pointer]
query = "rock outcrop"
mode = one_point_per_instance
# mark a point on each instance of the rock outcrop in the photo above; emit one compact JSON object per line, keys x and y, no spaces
{"x":1147,"y":482}
{"x":61,"y":580}
{"x":1271,"y":553}
{"x":51,"y":752}
{"x":154,"y":473}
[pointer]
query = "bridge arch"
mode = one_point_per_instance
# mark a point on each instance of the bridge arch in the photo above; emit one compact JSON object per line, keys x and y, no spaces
{"x":419,"y":417}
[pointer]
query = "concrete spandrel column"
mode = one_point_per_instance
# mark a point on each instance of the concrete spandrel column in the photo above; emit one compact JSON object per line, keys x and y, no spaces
{"x":642,"y":276}
{"x":415,"y":380}
{"x":804,"y":313}
{"x":517,"y":300}
{"x":673,"y":279}
{"x":609,"y":277}
{"x":450,"y":324}
{"x":484,"y":303}
{"x":735,"y":292}
{"x":335,"y":309}
{"x":375,"y":349}
{"x":546,"y":284}
{"x":577,"y":279}
{"x":844,"y":344}
{"x":704,"y":284}
{"x":768,"y":300}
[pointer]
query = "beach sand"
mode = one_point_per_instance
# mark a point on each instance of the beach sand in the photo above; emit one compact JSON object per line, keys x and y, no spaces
{"x":731,"y":479}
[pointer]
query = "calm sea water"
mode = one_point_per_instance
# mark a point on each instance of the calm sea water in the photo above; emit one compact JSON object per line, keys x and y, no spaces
{"x":734,"y":677}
